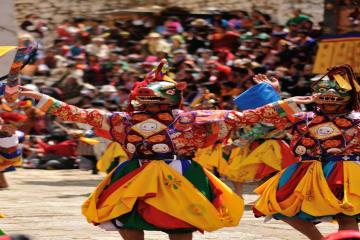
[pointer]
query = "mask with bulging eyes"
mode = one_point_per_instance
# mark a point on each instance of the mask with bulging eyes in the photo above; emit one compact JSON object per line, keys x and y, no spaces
{"x":159,"y":92}
{"x":158,"y":89}
{"x":329,"y":92}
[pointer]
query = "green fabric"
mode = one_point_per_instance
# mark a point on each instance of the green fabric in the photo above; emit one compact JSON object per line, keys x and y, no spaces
{"x":226,"y":156}
{"x":247,"y":36}
{"x":133,"y":220}
{"x":262,"y":36}
{"x":113,"y":165}
{"x":195,"y":174}
{"x":2,"y":233}
{"x":126,"y":168}
{"x":297,"y":20}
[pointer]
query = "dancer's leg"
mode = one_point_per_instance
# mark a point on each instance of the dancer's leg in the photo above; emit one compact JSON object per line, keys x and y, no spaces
{"x":307,"y":228}
{"x":181,"y":236}
{"x":347,"y":223}
{"x":130,"y":234}
{"x":238,"y":188}
{"x":3,"y":182}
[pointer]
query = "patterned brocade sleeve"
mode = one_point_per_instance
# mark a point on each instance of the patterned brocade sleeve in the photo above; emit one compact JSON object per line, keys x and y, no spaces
{"x":94,"y":117}
{"x":212,"y":126}
{"x":277,"y":114}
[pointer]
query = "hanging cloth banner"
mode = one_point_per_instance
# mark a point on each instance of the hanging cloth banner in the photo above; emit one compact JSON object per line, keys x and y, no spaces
{"x":336,"y":50}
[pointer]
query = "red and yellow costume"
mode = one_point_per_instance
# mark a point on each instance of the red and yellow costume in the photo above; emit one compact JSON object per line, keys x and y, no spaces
{"x":161,"y":187}
{"x":325,"y":182}
{"x":322,"y":184}
{"x":10,"y":152}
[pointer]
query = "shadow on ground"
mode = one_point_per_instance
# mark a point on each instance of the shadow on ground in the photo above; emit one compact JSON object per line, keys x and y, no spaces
{"x":77,"y":183}
{"x":74,"y":195}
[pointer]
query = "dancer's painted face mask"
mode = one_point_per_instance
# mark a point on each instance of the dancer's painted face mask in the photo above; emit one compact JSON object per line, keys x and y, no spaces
{"x":157,"y":88}
{"x":331,"y":93}
{"x":338,"y":87}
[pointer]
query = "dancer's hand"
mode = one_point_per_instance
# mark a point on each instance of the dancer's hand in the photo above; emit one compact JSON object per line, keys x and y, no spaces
{"x":274,"y":82}
{"x":303,"y":99}
{"x":29,"y":93}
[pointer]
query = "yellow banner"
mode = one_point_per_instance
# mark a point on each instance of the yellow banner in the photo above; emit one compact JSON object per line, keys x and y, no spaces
{"x":337,"y":51}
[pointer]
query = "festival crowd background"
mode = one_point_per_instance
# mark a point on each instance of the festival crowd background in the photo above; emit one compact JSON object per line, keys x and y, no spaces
{"x":94,"y":64}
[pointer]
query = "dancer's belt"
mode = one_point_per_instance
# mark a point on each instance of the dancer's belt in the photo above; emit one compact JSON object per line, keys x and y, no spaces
{"x":351,"y":157}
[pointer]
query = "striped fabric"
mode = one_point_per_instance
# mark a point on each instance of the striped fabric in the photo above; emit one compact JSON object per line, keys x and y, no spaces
{"x":45,"y":103}
{"x":10,"y":152}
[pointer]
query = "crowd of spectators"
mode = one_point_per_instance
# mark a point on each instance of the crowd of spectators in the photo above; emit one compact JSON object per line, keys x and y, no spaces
{"x":95,"y":62}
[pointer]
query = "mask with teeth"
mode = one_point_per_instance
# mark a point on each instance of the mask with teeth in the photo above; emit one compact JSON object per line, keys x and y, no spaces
{"x":157,"y":89}
{"x":330,"y":92}
{"x":337,"y":90}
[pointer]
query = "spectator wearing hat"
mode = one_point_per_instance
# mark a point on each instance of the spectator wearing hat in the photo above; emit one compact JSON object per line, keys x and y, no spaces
{"x":179,"y":55}
{"x":98,"y":48}
{"x":244,"y":52}
{"x":197,"y":36}
{"x":154,"y":43}
{"x":205,"y":55}
{"x":242,"y":71}
{"x":177,"y":42}
{"x":298,"y":18}
{"x":107,"y":92}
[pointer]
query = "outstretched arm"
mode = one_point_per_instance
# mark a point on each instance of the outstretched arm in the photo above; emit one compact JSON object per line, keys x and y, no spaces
{"x":94,"y":117}
{"x":279,"y":114}
{"x":217,"y":125}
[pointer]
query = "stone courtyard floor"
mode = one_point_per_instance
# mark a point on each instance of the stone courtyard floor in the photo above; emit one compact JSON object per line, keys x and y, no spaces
{"x":46,"y":205}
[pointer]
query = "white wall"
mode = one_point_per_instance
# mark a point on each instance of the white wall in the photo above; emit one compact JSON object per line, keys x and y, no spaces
{"x":8,"y":35}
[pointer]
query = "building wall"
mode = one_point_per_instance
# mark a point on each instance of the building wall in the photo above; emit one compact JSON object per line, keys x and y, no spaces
{"x":279,"y":9}
{"x":55,"y":11}
{"x":8,"y":34}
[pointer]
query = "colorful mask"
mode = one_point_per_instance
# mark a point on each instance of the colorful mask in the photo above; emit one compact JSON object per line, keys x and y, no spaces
{"x":338,"y":86}
{"x":330,"y":92}
{"x":157,"y":88}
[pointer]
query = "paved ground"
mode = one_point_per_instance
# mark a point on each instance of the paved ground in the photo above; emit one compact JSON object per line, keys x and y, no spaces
{"x":46,"y":205}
